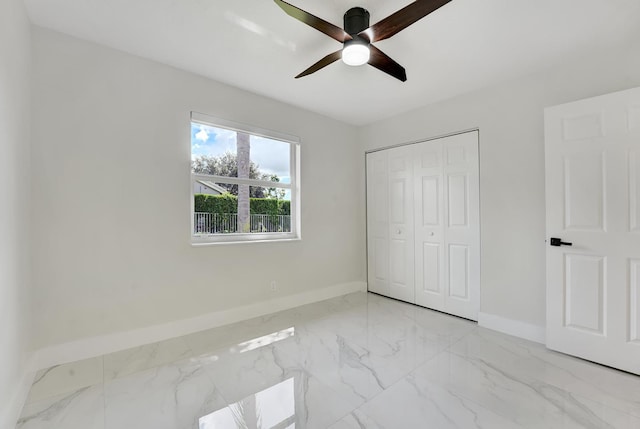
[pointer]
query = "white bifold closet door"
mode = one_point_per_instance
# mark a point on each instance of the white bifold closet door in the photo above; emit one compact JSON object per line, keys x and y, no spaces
{"x":423,"y":224}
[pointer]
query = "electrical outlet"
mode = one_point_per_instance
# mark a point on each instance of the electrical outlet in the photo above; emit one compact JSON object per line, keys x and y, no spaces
{"x":274,"y":286}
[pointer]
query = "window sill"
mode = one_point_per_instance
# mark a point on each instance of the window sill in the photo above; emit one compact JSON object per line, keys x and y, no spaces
{"x":242,"y":240}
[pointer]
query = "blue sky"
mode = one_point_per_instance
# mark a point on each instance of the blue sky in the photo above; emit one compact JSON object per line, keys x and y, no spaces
{"x":272,"y":156}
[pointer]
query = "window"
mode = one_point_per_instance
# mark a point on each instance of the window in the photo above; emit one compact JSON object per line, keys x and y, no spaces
{"x":244,"y":183}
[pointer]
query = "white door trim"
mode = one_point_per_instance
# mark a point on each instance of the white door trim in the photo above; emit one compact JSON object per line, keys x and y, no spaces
{"x":428,"y":139}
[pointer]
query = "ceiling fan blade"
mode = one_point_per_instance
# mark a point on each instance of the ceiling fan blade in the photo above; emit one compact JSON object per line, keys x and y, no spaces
{"x":331,"y":58}
{"x":384,"y":63}
{"x":319,"y":24}
{"x":401,"y":19}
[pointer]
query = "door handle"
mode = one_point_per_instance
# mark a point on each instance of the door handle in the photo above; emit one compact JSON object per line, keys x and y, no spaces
{"x":559,"y":242}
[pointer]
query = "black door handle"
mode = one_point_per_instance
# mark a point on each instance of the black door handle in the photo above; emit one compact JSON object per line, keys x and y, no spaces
{"x":559,"y":242}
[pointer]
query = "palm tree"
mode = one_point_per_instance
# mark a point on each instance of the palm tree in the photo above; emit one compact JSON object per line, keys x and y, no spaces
{"x":247,"y":414}
{"x":244,"y":163}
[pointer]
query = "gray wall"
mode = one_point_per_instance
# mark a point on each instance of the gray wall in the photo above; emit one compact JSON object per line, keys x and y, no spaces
{"x":15,"y":312}
{"x":110,"y":258}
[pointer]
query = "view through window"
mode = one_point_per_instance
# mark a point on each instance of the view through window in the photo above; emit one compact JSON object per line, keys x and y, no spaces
{"x":244,"y":183}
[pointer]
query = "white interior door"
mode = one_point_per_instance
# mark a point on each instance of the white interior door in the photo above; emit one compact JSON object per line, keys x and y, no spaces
{"x":447,"y":219}
{"x":592,"y":193}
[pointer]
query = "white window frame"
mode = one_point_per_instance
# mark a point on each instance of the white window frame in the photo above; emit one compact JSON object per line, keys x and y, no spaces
{"x":294,"y":186}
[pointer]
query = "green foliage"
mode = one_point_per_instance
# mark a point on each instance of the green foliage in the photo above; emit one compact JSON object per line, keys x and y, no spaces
{"x":285,"y":207}
{"x":228,"y":203}
{"x":223,"y":204}
{"x":264,"y":206}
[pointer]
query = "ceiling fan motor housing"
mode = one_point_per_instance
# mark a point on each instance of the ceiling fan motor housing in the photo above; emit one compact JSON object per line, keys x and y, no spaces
{"x":356,"y":20}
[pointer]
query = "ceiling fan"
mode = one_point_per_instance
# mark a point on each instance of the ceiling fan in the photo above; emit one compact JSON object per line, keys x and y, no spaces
{"x":357,"y":36}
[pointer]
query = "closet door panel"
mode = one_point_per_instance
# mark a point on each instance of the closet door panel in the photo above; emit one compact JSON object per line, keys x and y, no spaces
{"x":429,"y":225}
{"x":462,"y":235}
{"x":378,"y":223}
{"x":401,"y":228}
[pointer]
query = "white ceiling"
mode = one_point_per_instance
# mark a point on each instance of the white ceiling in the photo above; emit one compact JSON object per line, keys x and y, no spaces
{"x":254,"y":45}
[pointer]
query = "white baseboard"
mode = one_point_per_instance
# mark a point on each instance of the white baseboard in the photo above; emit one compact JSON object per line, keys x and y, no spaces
{"x":10,"y":414}
{"x":516,"y":328}
{"x":97,"y":346}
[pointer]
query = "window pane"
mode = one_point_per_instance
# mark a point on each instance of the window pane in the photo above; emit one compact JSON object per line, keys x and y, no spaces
{"x":223,"y":208}
{"x":216,"y":151}
{"x":215,"y":213}
{"x":271,"y":158}
{"x":270,"y":209}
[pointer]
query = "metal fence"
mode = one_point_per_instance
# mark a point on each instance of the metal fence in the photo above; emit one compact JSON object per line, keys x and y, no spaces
{"x":225,"y":223}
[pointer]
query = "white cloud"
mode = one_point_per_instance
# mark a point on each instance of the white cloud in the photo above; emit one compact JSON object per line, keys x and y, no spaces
{"x":202,"y":135}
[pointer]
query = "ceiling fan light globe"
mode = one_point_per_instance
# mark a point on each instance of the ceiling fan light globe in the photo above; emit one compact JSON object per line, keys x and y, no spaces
{"x":355,"y":54}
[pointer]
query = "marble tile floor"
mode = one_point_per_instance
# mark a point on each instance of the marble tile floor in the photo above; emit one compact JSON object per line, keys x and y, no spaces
{"x":358,"y":361}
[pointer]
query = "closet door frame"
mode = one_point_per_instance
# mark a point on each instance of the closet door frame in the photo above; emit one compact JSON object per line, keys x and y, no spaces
{"x":384,"y":288}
